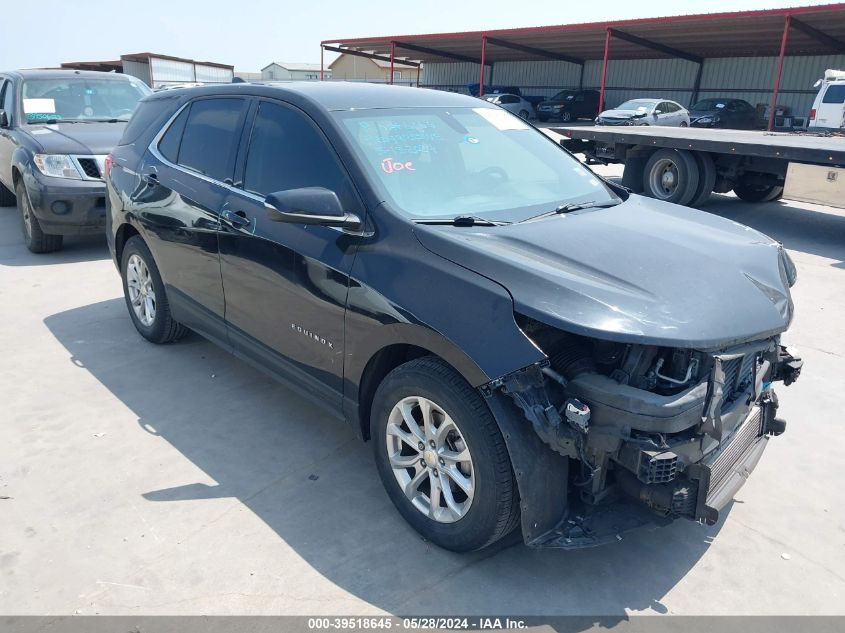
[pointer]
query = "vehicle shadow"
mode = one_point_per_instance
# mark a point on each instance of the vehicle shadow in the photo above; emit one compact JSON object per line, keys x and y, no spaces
{"x":315,"y":485}
{"x":75,"y":248}
{"x":811,"y":229}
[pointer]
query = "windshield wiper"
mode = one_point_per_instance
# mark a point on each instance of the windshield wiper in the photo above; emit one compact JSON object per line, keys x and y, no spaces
{"x":51,"y":121}
{"x":462,"y":220}
{"x":574,"y":206}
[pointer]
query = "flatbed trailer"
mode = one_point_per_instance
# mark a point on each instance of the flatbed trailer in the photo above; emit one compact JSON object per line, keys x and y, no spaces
{"x":685,"y":165}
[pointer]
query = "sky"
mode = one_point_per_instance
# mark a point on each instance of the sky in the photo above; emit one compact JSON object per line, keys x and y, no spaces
{"x":250,"y":34}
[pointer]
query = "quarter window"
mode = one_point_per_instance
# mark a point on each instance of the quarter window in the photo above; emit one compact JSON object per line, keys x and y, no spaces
{"x":169,"y":144}
{"x":286,"y":152}
{"x":210,"y":137}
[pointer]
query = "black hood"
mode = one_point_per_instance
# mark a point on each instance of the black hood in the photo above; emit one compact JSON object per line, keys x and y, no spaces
{"x":76,"y":138}
{"x":643,"y":272}
{"x":557,"y":103}
{"x":694,"y":114}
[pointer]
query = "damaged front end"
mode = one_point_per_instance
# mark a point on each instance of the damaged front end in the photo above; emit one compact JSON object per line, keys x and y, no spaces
{"x":642,"y":433}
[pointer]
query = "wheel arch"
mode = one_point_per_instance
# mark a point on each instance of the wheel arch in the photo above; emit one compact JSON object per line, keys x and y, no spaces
{"x":406,"y":342}
{"x":124,"y":232}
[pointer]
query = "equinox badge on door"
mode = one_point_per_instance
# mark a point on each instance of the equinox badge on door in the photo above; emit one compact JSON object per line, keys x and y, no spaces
{"x":311,"y":335}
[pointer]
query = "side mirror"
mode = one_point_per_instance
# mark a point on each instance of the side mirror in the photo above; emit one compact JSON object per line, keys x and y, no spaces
{"x":310,"y":205}
{"x":656,"y":112}
{"x":4,"y":119}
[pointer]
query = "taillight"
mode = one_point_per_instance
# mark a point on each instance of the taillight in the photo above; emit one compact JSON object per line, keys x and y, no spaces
{"x":107,"y":166}
{"x":812,"y":114}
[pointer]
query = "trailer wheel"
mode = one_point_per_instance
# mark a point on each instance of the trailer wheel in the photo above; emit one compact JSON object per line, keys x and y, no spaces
{"x":706,"y":178}
{"x":750,"y":192}
{"x":671,"y":175}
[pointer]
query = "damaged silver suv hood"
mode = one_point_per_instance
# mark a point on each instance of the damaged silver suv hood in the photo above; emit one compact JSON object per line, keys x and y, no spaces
{"x":643,"y":271}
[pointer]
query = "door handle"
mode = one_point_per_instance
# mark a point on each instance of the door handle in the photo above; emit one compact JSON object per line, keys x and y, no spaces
{"x":235,"y":218}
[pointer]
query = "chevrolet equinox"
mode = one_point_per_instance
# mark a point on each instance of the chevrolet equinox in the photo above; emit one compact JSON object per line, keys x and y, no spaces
{"x":523,"y":342}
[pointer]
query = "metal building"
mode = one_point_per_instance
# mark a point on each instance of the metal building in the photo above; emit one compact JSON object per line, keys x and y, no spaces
{"x":158,"y":71}
{"x":768,"y":57}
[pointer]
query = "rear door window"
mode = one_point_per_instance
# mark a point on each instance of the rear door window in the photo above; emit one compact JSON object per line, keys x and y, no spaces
{"x":834,"y":94}
{"x":211,"y":134}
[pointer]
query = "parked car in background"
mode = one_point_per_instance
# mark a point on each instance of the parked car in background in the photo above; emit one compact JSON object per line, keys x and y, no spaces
{"x":193,"y":84}
{"x":512,"y":103}
{"x":523,"y":342}
{"x":570,"y":105}
{"x":56,"y":128}
{"x":828,"y":110}
{"x":724,"y":113}
{"x":646,"y":112}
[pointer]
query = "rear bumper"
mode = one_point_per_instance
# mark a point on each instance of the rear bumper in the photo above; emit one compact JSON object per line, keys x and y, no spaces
{"x":67,"y":207}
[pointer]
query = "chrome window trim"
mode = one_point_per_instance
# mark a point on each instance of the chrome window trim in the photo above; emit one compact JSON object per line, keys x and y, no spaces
{"x":153,"y":147}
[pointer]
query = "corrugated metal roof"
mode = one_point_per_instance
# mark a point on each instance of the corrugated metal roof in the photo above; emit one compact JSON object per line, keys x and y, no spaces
{"x":713,"y":35}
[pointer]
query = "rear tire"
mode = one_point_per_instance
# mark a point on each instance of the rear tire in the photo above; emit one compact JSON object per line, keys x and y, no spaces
{"x":671,"y":175}
{"x":430,"y":385}
{"x":749,"y":192}
{"x":36,"y":240}
{"x":145,"y":297}
{"x":7,"y":198}
{"x":706,"y":180}
{"x":565,"y":117}
{"x":523,"y":114}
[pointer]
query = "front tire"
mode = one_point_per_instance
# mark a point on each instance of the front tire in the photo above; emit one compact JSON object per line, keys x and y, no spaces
{"x":442,"y":458}
{"x":36,"y":240}
{"x":145,"y":297}
{"x":523,"y":114}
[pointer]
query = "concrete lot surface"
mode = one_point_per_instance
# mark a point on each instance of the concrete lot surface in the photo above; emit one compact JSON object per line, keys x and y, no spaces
{"x":179,"y":480}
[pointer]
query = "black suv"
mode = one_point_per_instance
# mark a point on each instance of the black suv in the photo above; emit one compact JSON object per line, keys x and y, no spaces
{"x":569,"y":105}
{"x":521,"y":340}
{"x":56,"y":128}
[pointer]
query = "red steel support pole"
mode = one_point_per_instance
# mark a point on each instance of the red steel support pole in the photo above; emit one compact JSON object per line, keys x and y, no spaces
{"x":392,"y":55}
{"x":783,"y":41}
{"x":483,"y":60}
{"x":604,"y":69}
{"x":322,"y":50}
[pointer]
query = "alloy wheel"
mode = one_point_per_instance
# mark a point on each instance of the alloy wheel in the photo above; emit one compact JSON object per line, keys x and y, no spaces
{"x":139,"y":284}
{"x":430,"y":459}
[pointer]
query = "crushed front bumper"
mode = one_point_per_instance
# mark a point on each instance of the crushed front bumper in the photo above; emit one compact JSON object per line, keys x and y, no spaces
{"x":630,"y":481}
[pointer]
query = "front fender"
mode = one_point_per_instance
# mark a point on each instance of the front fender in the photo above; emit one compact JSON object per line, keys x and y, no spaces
{"x":542,"y":475}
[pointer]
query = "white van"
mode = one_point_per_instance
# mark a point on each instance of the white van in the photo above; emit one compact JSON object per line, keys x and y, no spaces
{"x":829,"y":107}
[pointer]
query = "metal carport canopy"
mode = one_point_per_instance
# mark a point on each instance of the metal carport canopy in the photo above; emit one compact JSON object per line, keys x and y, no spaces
{"x":732,"y":34}
{"x":815,"y":30}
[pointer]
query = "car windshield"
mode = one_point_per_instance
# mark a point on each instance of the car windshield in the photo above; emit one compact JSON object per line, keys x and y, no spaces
{"x":709,"y":104}
{"x":81,"y":99}
{"x":563,"y":96}
{"x":639,"y":105}
{"x":483,"y":162}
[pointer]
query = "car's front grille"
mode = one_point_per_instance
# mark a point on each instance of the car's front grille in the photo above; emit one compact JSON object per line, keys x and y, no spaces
{"x":742,"y":440}
{"x":90,"y":167}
